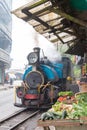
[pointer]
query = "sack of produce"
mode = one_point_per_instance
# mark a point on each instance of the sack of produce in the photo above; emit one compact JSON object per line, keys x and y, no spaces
{"x":83,"y":84}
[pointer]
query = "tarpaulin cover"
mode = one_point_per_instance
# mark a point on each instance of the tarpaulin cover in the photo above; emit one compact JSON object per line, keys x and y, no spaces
{"x":80,"y":5}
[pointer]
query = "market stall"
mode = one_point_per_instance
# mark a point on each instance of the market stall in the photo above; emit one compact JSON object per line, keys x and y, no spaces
{"x":69,"y":112}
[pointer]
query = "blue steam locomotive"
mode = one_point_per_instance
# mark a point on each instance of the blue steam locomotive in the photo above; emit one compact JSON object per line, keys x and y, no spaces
{"x":42,"y":81}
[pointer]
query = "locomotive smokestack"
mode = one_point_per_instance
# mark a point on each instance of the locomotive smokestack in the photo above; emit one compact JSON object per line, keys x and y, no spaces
{"x":37,"y":50}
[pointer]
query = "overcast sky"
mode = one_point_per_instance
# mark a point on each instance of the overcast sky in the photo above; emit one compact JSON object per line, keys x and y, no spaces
{"x":24,"y":38}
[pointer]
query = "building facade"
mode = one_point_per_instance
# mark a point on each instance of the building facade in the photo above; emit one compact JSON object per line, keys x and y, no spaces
{"x":5,"y":36}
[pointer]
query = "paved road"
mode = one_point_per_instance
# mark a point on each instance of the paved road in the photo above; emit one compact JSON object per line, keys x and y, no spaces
{"x":7,"y":102}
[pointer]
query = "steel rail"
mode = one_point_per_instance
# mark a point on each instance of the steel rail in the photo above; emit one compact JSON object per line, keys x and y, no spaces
{"x":12,"y":115}
{"x":16,"y":125}
{"x":11,"y":124}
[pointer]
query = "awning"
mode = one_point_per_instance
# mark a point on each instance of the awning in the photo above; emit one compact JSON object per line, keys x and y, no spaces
{"x":56,"y":20}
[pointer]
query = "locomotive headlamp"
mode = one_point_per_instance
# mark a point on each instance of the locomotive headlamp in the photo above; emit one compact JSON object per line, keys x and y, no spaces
{"x":32,"y":58}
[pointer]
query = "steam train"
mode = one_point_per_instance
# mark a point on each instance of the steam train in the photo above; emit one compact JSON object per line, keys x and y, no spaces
{"x":42,"y":81}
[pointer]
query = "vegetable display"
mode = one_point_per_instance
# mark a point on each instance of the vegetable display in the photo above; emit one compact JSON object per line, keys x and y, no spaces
{"x":62,"y":110}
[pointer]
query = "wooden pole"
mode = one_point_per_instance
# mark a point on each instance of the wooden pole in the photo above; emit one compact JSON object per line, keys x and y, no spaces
{"x":69,"y":17}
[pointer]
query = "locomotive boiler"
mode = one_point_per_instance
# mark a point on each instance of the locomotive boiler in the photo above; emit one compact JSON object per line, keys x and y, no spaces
{"x":42,"y":80}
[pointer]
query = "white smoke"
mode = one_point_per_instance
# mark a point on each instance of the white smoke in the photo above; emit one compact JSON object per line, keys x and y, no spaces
{"x":24,"y":39}
{"x":49,"y":49}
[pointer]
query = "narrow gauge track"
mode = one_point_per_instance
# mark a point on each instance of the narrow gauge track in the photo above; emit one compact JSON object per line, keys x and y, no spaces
{"x":12,"y":122}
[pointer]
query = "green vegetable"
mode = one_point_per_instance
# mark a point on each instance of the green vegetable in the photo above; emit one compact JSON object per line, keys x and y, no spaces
{"x":82,"y":97}
{"x":64,"y":114}
{"x":46,"y":116}
{"x":51,"y":115}
{"x":56,"y":115}
{"x":79,"y":110}
{"x":65,"y":93}
{"x":57,"y":106}
{"x":43,"y":116}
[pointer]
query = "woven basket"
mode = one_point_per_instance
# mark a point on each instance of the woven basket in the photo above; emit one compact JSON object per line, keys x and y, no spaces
{"x":83,"y":87}
{"x":79,"y":93}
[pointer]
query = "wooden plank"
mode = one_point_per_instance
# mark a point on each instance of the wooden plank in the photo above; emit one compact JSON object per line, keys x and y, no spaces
{"x":63,"y":124}
{"x":81,"y":127}
{"x":60,"y":122}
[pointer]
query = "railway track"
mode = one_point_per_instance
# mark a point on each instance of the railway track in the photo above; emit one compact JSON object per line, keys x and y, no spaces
{"x":14,"y":121}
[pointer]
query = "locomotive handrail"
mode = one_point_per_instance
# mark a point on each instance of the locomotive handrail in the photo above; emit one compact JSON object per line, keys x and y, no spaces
{"x":46,"y":85}
{"x":25,"y":85}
